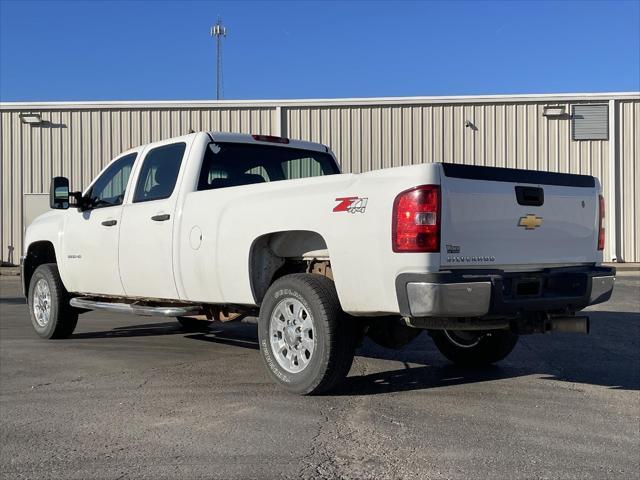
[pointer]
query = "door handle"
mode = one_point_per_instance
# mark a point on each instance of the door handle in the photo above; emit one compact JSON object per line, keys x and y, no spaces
{"x":109,"y":223}
{"x":161,"y":218}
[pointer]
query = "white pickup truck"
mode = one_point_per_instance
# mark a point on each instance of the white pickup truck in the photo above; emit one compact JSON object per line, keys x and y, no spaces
{"x":220,"y":226}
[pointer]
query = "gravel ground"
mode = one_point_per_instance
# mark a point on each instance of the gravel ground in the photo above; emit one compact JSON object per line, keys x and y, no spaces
{"x":132,"y":397}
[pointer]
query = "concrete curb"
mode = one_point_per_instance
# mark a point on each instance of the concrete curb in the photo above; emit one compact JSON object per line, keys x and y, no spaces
{"x":10,"y":271}
{"x":625,"y":267}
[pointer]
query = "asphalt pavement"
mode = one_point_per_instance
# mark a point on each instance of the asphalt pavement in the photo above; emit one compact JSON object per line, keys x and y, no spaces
{"x":136,"y":397}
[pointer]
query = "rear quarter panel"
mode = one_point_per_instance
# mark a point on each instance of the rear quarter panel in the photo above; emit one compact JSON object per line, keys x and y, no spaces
{"x":364,"y":266}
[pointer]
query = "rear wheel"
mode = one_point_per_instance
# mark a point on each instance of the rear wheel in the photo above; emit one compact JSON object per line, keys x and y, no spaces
{"x":194,"y":325}
{"x":306,"y":341}
{"x":51,"y":314}
{"x":473,"y":349}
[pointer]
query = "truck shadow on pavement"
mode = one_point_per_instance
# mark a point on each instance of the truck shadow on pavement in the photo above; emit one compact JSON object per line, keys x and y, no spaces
{"x":144,"y":330}
{"x":436,"y":375}
{"x":224,"y":334}
{"x":609,"y":357}
{"x":423,"y":377}
{"x":227,"y":338}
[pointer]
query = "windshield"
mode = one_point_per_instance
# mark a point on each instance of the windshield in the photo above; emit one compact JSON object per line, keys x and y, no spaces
{"x":228,"y":164}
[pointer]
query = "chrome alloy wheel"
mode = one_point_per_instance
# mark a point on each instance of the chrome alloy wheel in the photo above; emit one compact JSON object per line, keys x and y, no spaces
{"x":292,"y":335}
{"x":42,"y":302}
{"x":464,"y":339}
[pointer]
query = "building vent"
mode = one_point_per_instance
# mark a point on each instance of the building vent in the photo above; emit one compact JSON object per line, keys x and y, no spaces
{"x":590,"y":122}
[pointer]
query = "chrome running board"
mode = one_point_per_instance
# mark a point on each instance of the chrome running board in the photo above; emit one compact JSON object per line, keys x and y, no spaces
{"x":87,"y":303}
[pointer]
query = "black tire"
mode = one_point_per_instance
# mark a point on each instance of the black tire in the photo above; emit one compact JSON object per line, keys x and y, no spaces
{"x":193,"y":325}
{"x":488,"y":348}
{"x":63,"y":318}
{"x":334,"y":335}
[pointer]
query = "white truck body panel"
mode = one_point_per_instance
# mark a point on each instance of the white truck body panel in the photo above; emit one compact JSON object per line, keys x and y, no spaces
{"x":96,"y":246}
{"x":237,"y":216}
{"x":150,"y":274}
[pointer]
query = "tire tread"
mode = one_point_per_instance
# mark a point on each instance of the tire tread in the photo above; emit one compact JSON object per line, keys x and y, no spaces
{"x":340,"y":343}
{"x":66,"y":317}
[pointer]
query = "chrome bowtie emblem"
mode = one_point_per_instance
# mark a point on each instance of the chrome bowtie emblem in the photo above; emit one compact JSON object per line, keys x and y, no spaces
{"x":530,"y":222}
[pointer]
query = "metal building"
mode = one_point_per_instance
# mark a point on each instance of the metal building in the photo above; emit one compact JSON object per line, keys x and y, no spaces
{"x":595,"y":134}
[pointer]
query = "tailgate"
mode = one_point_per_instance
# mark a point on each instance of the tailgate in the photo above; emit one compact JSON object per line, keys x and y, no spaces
{"x":502,"y":218}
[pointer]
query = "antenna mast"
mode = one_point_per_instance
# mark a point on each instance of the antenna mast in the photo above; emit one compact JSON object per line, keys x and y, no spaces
{"x":218,"y":31}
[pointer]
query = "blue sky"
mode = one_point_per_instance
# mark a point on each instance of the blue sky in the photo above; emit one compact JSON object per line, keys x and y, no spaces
{"x":121,"y":50}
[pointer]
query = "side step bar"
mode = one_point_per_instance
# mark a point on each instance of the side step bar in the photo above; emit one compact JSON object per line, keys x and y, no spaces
{"x":88,"y":303}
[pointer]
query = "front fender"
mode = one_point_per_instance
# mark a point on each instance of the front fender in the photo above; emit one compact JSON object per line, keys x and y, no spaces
{"x":48,"y":227}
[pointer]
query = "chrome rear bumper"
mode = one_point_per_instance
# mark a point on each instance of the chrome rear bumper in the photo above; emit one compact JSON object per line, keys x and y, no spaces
{"x":601,"y":288}
{"x":449,"y":299}
{"x":474,"y":293}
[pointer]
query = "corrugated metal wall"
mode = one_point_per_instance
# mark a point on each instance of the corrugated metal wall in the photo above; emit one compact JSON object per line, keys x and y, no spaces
{"x":78,"y":143}
{"x":502,"y":135}
{"x":629,"y":180}
{"x":79,"y":140}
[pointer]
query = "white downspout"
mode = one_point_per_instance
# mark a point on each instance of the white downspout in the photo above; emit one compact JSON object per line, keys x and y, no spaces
{"x":281,"y":122}
{"x":611,"y":210}
{"x":278,"y":126}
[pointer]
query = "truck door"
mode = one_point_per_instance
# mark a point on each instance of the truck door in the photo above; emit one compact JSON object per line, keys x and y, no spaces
{"x":90,"y":243}
{"x":146,"y":235}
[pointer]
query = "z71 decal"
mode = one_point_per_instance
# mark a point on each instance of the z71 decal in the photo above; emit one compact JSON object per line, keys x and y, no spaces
{"x":351,"y":204}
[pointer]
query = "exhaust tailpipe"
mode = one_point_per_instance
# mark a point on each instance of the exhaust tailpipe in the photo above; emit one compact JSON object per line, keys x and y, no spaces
{"x":577,"y":324}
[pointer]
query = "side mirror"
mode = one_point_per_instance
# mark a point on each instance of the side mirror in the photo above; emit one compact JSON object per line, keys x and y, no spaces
{"x":59,"y":193}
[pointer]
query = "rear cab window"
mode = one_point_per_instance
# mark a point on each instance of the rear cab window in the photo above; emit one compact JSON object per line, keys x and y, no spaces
{"x":228,"y":164}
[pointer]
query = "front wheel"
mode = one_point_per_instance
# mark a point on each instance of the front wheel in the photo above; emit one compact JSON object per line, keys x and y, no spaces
{"x":474,"y":349}
{"x":306,"y":341}
{"x":51,"y":314}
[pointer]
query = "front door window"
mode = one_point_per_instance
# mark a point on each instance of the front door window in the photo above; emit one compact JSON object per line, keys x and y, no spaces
{"x":108,"y":190}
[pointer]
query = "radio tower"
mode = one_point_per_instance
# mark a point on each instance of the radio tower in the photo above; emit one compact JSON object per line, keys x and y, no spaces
{"x":218,"y":31}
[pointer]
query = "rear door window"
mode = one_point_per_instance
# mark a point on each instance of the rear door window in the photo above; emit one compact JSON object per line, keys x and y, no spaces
{"x":159,"y":172}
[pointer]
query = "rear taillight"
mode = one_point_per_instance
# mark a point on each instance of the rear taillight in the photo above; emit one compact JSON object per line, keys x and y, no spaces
{"x":601,"y":223}
{"x":416,"y":220}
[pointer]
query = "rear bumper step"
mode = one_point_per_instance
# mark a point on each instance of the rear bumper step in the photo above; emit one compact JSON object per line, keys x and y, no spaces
{"x":477,"y":293}
{"x":88,"y":303}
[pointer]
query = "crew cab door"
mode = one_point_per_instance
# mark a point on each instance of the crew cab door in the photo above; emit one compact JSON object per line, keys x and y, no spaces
{"x":90,"y":240}
{"x":146,"y":235}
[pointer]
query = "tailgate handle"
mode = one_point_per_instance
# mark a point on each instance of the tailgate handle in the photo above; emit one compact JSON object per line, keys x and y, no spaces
{"x":532,"y":196}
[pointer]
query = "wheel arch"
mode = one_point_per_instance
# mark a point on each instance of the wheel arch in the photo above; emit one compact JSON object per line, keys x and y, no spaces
{"x":38,"y":253}
{"x":276,"y":254}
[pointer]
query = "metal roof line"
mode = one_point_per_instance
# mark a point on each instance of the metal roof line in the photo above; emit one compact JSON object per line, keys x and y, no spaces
{"x":457,"y":99}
